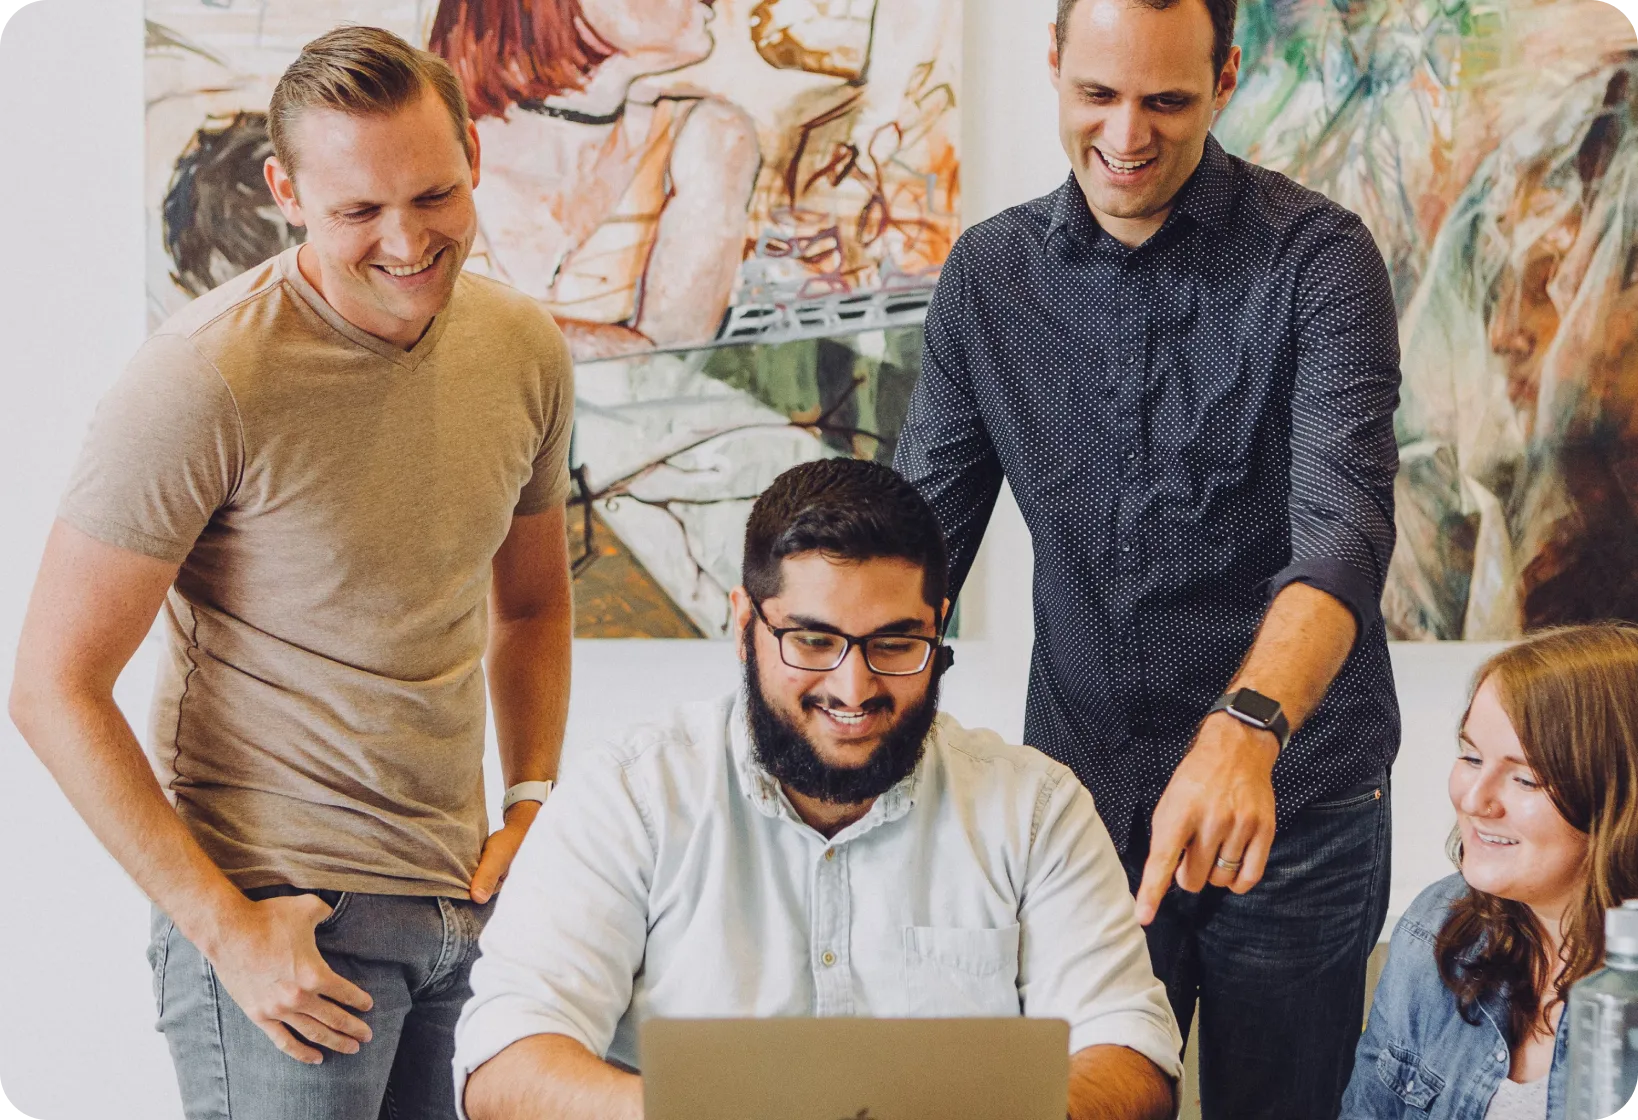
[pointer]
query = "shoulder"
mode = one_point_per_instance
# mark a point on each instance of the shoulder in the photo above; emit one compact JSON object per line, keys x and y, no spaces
{"x":226,"y":313}
{"x":1300,"y":223}
{"x":1426,"y":916}
{"x":1269,"y":198}
{"x":713,"y":119}
{"x":691,"y":743}
{"x":496,"y":312}
{"x":1006,"y":768}
{"x":1011,"y":233}
{"x":716,"y":137}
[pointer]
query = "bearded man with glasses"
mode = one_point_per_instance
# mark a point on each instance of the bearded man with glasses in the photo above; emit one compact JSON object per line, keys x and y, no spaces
{"x":821,"y":843}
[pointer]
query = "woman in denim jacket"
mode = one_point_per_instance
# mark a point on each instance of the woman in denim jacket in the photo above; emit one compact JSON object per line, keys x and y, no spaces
{"x":1467,"y":1022}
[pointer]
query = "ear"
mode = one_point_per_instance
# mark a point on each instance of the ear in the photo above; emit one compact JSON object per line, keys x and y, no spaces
{"x":739,"y":602}
{"x":283,"y":189}
{"x":1052,"y":52}
{"x":1228,"y":81}
{"x":473,"y":149}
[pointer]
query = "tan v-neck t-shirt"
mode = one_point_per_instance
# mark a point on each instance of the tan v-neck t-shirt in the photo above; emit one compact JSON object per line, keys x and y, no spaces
{"x":335,"y":503}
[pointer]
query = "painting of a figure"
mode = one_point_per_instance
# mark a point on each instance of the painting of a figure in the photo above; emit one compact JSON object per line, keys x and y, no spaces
{"x":1492,"y":148}
{"x":736,"y":210}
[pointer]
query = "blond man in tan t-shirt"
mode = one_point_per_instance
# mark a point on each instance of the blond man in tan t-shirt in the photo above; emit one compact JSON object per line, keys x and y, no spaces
{"x":341,"y":477}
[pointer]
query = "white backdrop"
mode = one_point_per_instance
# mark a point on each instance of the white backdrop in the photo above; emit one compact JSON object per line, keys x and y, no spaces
{"x":76,"y":1009}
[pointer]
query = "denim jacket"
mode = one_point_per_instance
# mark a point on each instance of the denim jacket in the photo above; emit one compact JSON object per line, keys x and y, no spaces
{"x":1419,"y":1058}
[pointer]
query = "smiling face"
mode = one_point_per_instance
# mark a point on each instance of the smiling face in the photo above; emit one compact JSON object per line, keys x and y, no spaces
{"x":1137,"y":94}
{"x":386,"y":200}
{"x":1515,"y":843}
{"x":848,"y":717}
{"x":675,"y":30}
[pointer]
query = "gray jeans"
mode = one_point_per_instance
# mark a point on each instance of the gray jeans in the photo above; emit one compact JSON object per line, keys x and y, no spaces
{"x":413,"y":955}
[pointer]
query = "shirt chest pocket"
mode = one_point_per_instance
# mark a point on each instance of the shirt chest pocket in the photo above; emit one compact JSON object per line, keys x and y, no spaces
{"x":1407,"y":1078}
{"x":953,"y":972}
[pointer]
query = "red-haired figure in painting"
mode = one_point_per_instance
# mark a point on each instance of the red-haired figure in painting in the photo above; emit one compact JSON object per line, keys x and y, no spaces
{"x":622,"y":210}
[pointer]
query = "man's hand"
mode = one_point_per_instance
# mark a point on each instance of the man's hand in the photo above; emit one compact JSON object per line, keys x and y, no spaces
{"x":1219,"y":803}
{"x":270,"y":964}
{"x":500,"y":849}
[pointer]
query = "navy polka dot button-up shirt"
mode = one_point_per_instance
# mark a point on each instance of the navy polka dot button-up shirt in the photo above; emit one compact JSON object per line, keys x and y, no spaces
{"x":1188,"y":427}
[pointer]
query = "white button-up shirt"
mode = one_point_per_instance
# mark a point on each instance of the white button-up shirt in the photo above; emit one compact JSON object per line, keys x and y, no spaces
{"x":668,"y":876}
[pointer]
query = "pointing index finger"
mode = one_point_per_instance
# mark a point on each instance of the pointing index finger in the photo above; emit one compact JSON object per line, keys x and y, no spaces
{"x":1165,"y":852}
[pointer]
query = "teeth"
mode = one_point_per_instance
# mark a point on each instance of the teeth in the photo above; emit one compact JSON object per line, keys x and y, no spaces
{"x":410,"y":270}
{"x":1124,"y":165}
{"x":844,"y":717}
{"x":1488,"y":839}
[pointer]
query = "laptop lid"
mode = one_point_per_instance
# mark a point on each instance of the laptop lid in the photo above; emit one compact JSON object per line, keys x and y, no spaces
{"x":854,"y":1069}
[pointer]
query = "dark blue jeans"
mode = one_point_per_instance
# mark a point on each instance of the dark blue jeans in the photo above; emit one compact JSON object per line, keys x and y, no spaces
{"x":413,"y":955}
{"x":1279,"y":972}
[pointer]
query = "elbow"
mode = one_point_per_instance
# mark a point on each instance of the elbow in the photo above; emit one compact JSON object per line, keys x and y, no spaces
{"x":24,"y":703}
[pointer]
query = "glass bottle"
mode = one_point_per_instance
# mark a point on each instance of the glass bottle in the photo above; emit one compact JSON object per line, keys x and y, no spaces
{"x":1603,"y":1044}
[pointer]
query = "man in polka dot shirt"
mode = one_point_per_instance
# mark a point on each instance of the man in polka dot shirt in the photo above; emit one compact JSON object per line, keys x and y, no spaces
{"x":1186,"y":368}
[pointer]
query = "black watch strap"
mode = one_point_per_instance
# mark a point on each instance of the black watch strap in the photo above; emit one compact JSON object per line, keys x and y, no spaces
{"x":1254,"y":709}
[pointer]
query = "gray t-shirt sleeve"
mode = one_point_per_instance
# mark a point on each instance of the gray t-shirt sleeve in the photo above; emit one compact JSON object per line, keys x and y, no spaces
{"x":164,"y":453}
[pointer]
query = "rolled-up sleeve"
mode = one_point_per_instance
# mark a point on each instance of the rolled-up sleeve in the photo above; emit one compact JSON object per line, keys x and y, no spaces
{"x":1083,"y":957}
{"x":567,"y":937}
{"x":1343,"y":453}
{"x":944,"y":449}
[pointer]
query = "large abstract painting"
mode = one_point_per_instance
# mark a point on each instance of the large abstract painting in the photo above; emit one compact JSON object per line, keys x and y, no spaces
{"x":736,"y":209}
{"x":1492,"y":148}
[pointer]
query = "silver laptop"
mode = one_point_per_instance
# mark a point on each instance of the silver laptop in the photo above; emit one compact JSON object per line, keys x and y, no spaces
{"x":854,"y":1069}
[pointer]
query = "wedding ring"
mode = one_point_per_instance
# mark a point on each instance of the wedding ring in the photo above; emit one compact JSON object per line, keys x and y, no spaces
{"x":1228,"y":864}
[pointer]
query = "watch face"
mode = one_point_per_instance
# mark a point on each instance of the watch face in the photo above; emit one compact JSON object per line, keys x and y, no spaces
{"x":1254,"y":705}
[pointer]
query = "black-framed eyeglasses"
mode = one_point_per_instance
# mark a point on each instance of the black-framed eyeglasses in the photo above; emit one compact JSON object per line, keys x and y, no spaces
{"x":820,"y":651}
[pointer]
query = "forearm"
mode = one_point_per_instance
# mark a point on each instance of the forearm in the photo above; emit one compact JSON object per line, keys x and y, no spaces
{"x":552,"y":1076}
{"x":1114,"y":1083}
{"x":1300,"y":648}
{"x":88,"y":747}
{"x":527,"y":664}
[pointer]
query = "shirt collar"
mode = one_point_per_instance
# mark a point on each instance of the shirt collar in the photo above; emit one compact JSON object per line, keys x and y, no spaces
{"x":1207,"y":199}
{"x":765,"y":792}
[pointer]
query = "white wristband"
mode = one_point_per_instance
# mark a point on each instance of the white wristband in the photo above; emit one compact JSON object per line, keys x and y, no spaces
{"x":526,"y":791}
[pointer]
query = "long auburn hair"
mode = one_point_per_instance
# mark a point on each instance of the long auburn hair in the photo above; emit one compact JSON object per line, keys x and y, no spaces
{"x":1571,"y":695}
{"x":509,"y":52}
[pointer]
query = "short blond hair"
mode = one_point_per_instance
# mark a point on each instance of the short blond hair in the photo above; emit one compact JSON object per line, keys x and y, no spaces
{"x":362,"y":71}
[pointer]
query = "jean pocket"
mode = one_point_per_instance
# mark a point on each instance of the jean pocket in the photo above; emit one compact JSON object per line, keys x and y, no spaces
{"x":1407,"y":1078}
{"x":337,"y":901}
{"x":955,"y":971}
{"x":159,"y":951}
{"x":1349,"y":799}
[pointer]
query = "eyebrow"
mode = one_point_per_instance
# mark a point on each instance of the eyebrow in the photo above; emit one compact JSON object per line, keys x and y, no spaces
{"x":1099,"y":87}
{"x":366,"y":204}
{"x":899,"y":626}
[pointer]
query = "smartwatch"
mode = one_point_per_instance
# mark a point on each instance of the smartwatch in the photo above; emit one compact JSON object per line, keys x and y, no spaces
{"x":1254,"y":709}
{"x":526,"y":791}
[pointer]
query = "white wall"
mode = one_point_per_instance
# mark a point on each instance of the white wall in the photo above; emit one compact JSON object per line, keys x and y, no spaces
{"x":76,"y":1038}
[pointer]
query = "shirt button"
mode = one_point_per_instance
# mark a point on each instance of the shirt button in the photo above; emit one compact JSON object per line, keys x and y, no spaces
{"x":1501,"y":1055}
{"x":829,"y":958}
{"x":830,"y":853}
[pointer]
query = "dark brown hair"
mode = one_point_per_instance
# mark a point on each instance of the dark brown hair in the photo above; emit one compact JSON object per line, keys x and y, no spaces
{"x":1222,"y":12}
{"x":1571,"y":695}
{"x":363,"y":71}
{"x":510,"y":52}
{"x":847,"y":509}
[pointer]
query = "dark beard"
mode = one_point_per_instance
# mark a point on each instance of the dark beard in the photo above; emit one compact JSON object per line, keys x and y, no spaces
{"x":786,"y":753}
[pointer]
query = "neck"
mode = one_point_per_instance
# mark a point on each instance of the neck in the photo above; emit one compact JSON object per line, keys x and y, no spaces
{"x":399,"y":334}
{"x":602,"y":101}
{"x":825,"y":817}
{"x":1131,"y":232}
